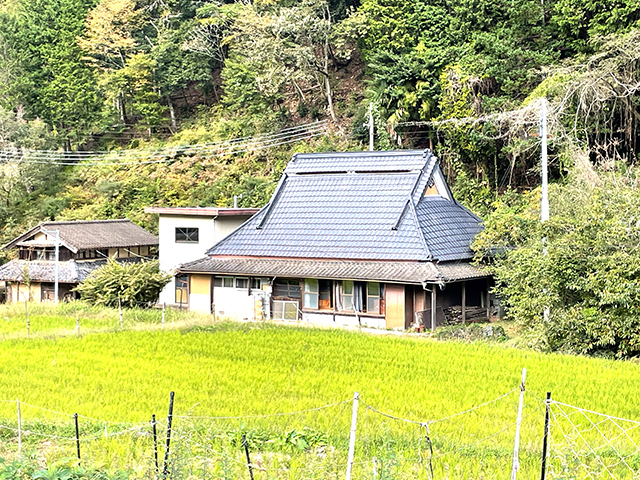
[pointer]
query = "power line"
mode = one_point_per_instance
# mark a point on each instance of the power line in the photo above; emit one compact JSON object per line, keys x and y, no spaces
{"x":169,"y":154}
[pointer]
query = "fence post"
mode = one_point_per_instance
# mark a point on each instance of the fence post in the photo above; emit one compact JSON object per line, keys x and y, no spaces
{"x":164,"y":309}
{"x":75,"y":417}
{"x":165,"y":470}
{"x":19,"y":431}
{"x":352,"y":438}
{"x":245,"y":444}
{"x":120,"y":311}
{"x":545,"y":438}
{"x":155,"y":442}
{"x":375,"y":468}
{"x":516,"y":446}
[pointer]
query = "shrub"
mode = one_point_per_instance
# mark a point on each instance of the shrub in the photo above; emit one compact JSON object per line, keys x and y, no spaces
{"x":583,"y":264}
{"x":472,"y":332}
{"x":133,"y":284}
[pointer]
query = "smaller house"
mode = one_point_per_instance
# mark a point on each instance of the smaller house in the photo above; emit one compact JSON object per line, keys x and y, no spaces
{"x":186,"y":233}
{"x":83,"y":246}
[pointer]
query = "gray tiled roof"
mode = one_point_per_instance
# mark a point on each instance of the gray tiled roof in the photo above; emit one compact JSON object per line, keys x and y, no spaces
{"x":345,"y":206}
{"x":448,"y":228}
{"x":92,"y":234}
{"x":402,"y":272}
{"x":44,"y":271}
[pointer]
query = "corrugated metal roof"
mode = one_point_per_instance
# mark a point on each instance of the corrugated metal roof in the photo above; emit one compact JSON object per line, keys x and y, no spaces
{"x":345,"y":206}
{"x":44,"y":270}
{"x":92,"y":234}
{"x":400,"y":272}
{"x":202,"y":211}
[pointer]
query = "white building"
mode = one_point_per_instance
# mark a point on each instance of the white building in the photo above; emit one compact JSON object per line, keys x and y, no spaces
{"x":185,"y":235}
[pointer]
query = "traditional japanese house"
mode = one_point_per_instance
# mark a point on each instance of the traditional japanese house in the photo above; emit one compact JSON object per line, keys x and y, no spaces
{"x":83,"y":246}
{"x":362,"y":238}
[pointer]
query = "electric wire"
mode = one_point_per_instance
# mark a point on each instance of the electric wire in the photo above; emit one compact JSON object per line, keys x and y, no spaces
{"x":228,"y":147}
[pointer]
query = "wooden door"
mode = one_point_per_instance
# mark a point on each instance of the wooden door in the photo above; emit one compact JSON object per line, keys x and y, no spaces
{"x":394,"y":300}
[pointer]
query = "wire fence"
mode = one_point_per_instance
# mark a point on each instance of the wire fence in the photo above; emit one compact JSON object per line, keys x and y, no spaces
{"x":476,"y":442}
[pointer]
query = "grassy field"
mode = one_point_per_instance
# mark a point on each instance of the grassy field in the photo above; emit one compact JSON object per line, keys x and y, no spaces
{"x":249,"y":371}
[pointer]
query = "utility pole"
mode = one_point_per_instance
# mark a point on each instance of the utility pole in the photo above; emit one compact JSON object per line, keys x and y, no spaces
{"x":56,"y":235}
{"x":57,"y":268}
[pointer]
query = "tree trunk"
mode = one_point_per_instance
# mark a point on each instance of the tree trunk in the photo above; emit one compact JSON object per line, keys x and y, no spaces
{"x":172,"y":113}
{"x":122,"y":108}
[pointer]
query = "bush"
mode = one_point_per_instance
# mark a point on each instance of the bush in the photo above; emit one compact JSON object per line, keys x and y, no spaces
{"x":472,"y":332}
{"x":133,"y":284}
{"x":584,"y":264}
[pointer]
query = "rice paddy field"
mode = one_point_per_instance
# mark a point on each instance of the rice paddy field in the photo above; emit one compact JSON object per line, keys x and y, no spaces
{"x":426,"y":409}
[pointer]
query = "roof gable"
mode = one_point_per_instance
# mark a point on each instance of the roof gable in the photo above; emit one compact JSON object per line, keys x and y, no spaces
{"x":363,"y":205}
{"x":92,"y":234}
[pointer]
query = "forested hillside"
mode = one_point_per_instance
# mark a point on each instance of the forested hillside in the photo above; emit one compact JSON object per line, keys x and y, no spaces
{"x":149,"y":77}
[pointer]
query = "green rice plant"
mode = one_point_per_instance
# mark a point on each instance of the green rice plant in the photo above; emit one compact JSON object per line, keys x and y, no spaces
{"x":234,"y":379}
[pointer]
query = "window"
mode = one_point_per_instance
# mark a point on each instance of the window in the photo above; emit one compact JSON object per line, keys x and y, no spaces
{"x":242,"y":282}
{"x":186,"y":235}
{"x":324,"y":302}
{"x":287,"y":288}
{"x":311,"y":293}
{"x":284,"y":310}
{"x":256,"y":283}
{"x":217,"y":281}
{"x":373,"y":297}
{"x":182,"y":289}
{"x":227,"y":282}
{"x":347,"y":295}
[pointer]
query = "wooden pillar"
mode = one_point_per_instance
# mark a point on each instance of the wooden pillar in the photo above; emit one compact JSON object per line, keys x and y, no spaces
{"x":488,"y":299}
{"x":464,"y":302}
{"x":434,"y":287}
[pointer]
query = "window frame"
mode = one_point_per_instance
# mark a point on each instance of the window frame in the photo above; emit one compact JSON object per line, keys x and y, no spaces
{"x":241,"y":279}
{"x":309,"y":295}
{"x":183,"y":286}
{"x":189,"y":233}
{"x":292,"y":284}
{"x":348,"y":296}
{"x":374,"y":297}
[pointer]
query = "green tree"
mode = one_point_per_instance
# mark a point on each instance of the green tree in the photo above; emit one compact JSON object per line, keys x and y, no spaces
{"x":583,"y":264}
{"x":131,"y":284}
{"x":49,"y":75}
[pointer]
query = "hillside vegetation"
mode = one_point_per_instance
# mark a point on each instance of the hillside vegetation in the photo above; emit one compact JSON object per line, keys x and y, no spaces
{"x":86,"y":75}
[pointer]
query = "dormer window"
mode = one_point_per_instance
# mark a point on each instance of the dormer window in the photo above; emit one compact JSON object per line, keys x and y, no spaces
{"x":186,"y":235}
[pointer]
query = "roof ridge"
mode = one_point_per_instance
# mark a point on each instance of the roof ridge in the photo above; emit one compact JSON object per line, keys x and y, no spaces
{"x":420,"y":232}
{"x":77,"y":222}
{"x":365,"y":153}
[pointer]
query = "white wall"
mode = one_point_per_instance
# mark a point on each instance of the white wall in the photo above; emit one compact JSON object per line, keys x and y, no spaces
{"x":235,"y":303}
{"x":173,"y":254}
{"x":199,"y":303}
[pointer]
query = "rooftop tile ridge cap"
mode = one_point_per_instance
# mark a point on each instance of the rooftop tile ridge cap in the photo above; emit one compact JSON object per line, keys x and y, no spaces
{"x":78,"y":222}
{"x":362,"y":153}
{"x":420,"y":233}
